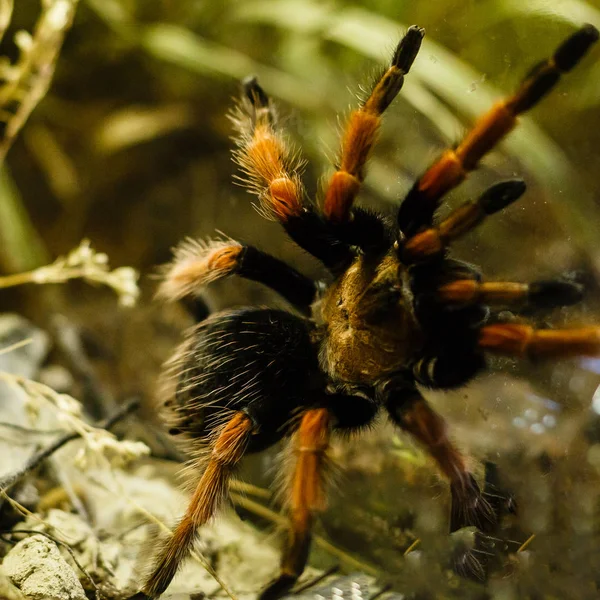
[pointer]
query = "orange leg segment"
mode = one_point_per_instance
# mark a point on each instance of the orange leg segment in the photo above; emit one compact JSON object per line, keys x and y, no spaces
{"x":454,"y":165}
{"x":210,"y":492}
{"x":196,"y":264}
{"x":512,"y":339}
{"x":307,"y":497}
{"x":270,"y":167}
{"x":504,"y":293}
{"x":414,"y":415}
{"x":362,"y":128}
{"x":432,"y":242}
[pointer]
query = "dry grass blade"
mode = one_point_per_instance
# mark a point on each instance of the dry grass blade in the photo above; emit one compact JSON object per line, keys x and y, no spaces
{"x":571,"y":12}
{"x":27,"y":81}
{"x":181,"y":47}
{"x":281,"y":521}
{"x":22,"y":247}
{"x":22,"y":85}
{"x":37,"y":458}
{"x":99,"y":444}
{"x":82,"y":262}
{"x":6,"y":8}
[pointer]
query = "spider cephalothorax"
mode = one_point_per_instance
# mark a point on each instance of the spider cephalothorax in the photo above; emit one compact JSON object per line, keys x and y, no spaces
{"x":396,"y":311}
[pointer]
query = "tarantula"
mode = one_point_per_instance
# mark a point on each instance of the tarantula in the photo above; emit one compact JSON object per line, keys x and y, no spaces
{"x":396,"y":311}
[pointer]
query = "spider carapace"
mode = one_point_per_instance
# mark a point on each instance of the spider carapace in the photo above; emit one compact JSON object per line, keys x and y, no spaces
{"x":396,"y":314}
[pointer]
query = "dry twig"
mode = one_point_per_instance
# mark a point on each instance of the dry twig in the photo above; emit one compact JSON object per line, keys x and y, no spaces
{"x":82,"y":263}
{"x":40,"y":456}
{"x":26,"y":82}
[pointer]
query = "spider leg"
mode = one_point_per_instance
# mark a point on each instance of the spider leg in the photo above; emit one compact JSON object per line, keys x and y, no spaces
{"x":449,"y":366}
{"x":306,"y":497}
{"x":418,"y":207}
{"x":432,"y":242}
{"x":456,"y":312}
{"x":270,"y":167}
{"x":474,"y":562}
{"x":210,"y":492}
{"x":362,"y":128}
{"x":410,"y":411}
{"x":540,"y":294}
{"x":197,"y":263}
{"x":513,"y":339}
{"x":272,"y":170}
{"x":450,"y":358}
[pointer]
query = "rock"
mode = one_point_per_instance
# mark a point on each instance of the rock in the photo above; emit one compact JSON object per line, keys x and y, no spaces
{"x":242,"y":556}
{"x":90,"y":552}
{"x":58,"y":378}
{"x":25,"y":360}
{"x":36,"y":566}
{"x":7,"y":590}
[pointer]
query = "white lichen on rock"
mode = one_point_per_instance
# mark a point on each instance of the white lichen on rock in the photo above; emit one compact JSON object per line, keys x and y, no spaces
{"x":36,"y":566}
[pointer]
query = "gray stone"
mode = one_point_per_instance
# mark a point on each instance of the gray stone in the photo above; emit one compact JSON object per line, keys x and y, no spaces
{"x":36,"y":566}
{"x":25,"y":360}
{"x":7,"y":590}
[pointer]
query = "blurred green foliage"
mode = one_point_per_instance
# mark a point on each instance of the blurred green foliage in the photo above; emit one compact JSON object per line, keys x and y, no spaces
{"x":130,"y":146}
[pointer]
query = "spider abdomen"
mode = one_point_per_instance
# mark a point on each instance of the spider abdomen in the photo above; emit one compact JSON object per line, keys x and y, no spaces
{"x":259,"y":361}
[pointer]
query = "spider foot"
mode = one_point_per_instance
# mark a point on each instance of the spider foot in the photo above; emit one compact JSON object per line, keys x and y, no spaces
{"x":278,"y":587}
{"x":469,"y":566}
{"x":470,"y":506}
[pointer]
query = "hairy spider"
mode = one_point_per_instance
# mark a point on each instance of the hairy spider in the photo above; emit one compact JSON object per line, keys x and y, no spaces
{"x":397,"y":311}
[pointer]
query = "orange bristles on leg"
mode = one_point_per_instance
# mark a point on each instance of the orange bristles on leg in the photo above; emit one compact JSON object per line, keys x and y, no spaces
{"x":544,"y":294}
{"x":306,"y":497}
{"x":311,"y":444}
{"x":196,"y":264}
{"x":270,"y":167}
{"x":362,"y":128}
{"x":433,"y":241}
{"x":470,"y":291}
{"x":208,"y":496}
{"x":512,"y":339}
{"x":451,"y":169}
